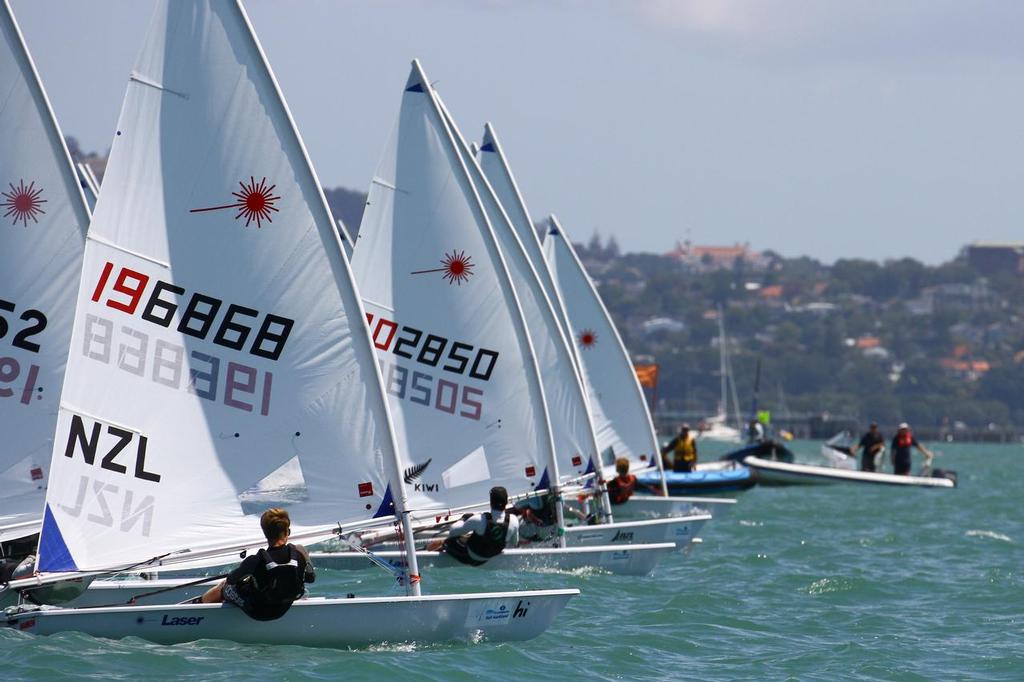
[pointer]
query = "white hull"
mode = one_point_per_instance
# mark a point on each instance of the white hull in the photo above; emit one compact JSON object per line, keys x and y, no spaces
{"x":681,"y":530}
{"x":678,"y":529}
{"x":653,"y":507}
{"x":118,"y":592}
{"x":336,"y":623}
{"x":781,"y":473}
{"x":620,"y":559}
{"x":721,"y":434}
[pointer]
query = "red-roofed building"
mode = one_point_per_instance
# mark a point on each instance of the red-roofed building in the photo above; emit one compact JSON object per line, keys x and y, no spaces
{"x":707,"y":258}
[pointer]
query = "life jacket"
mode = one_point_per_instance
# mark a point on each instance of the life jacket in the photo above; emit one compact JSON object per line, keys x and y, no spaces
{"x":492,"y":542}
{"x":620,"y":490}
{"x":685,"y":449}
{"x":904,"y":440}
{"x":273,"y":586}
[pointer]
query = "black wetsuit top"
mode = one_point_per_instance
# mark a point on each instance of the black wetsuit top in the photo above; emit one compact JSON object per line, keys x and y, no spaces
{"x":868,"y":444}
{"x":264,"y":594}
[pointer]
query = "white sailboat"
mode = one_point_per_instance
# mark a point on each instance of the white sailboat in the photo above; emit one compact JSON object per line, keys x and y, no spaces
{"x":218,"y":336}
{"x":717,"y":428}
{"x":463,"y":348}
{"x":43,"y":221}
{"x":501,"y":181}
{"x":563,"y":386}
{"x":616,"y":398}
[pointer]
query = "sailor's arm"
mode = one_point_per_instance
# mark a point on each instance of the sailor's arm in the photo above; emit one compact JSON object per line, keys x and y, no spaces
{"x":309,"y":575}
{"x":467,"y":525}
{"x":512,"y":539}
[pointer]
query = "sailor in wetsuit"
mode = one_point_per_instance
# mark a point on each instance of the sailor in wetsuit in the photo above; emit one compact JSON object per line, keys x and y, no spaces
{"x":265,"y":584}
{"x":902,"y":442}
{"x":479,"y":537}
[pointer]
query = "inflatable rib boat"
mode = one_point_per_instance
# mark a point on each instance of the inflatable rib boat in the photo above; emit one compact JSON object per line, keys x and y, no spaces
{"x":786,"y":473}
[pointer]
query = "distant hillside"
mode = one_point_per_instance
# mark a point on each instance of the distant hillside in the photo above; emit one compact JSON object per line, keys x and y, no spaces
{"x":346,"y":204}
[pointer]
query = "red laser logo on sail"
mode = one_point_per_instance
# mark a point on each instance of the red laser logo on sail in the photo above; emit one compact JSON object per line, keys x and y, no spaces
{"x":456,"y":266}
{"x":588,"y":337}
{"x":255,"y":201}
{"x":23,"y":203}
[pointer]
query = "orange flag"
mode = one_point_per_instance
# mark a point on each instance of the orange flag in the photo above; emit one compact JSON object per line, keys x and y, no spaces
{"x":647,"y":375}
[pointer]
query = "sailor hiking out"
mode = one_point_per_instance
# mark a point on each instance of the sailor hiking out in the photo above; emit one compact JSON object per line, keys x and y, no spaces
{"x":479,"y":537}
{"x":265,"y":584}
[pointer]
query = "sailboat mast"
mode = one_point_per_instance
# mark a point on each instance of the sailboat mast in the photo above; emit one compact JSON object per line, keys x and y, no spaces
{"x":723,"y":403}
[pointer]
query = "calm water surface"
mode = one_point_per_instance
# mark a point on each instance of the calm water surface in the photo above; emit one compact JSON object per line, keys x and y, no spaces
{"x":803,"y":583}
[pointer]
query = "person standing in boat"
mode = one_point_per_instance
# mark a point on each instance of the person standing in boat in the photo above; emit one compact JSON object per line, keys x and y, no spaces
{"x":479,"y":537}
{"x":684,"y":451}
{"x":621,"y":488}
{"x":873,"y":444}
{"x":902,"y":443}
{"x":755,"y":432}
{"x":265,"y":584}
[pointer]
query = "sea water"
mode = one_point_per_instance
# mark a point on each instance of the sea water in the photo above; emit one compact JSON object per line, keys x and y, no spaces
{"x":816,"y":582}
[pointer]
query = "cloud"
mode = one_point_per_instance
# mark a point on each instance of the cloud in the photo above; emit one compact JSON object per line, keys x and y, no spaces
{"x":838,"y":29}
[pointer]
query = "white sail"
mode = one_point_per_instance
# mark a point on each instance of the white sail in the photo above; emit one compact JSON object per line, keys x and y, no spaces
{"x":218,"y":332}
{"x":496,"y":167}
{"x":43,"y":220}
{"x":572,"y":431}
{"x":617,"y":404}
{"x":456,"y":357}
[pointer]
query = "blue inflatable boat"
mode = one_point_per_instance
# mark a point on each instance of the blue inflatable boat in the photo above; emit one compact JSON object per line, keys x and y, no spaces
{"x":730,"y":479}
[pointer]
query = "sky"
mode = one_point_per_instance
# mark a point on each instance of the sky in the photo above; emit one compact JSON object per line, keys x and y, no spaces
{"x":872,"y":129}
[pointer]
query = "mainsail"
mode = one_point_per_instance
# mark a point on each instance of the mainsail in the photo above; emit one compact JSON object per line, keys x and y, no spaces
{"x":43,"y":220}
{"x":624,"y":427}
{"x":495,"y":166}
{"x":458,"y":365}
{"x":572,"y":431}
{"x":218,"y":331}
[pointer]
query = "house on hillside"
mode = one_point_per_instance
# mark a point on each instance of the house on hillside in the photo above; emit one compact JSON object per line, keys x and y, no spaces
{"x":710,"y":258}
{"x":962,"y":365}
